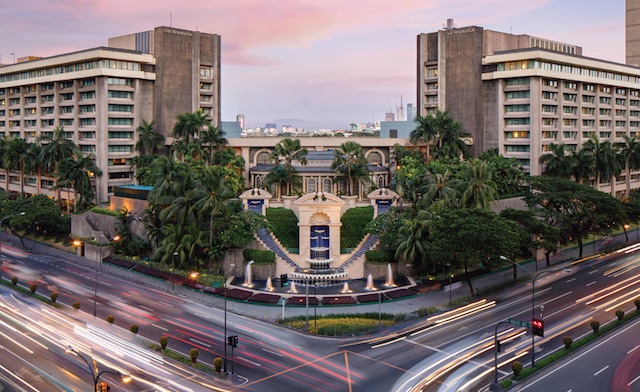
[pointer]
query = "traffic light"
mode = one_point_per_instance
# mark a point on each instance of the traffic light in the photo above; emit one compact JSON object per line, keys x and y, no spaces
{"x":230,"y":340}
{"x":235,"y":340}
{"x":284,"y":280}
{"x":537,"y":327}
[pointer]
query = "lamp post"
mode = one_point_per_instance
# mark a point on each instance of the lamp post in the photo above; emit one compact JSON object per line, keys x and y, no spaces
{"x":3,"y":218}
{"x":96,"y":377}
{"x":225,"y":321}
{"x":315,"y":307}
{"x":533,"y":299}
{"x":173,"y":267}
{"x":450,"y":278}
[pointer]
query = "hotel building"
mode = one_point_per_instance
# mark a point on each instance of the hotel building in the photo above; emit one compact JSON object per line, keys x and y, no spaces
{"x":520,"y":93}
{"x":100,"y":96}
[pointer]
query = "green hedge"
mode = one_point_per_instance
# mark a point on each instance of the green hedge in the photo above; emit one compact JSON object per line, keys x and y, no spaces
{"x":380,"y":256}
{"x":259,"y":256}
{"x":105,"y":211}
{"x":354,"y":221}
{"x":284,"y":225}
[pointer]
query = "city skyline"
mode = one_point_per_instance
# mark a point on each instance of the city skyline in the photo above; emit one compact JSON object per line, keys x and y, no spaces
{"x":330,"y":64}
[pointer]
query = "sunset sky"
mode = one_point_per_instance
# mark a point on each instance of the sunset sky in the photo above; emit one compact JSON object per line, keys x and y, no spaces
{"x":332,"y":62}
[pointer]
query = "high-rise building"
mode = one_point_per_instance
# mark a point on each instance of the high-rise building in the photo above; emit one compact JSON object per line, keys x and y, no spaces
{"x":632,"y":32}
{"x":240,"y":120}
{"x":389,"y":116}
{"x":520,"y":93}
{"x":100,"y":96}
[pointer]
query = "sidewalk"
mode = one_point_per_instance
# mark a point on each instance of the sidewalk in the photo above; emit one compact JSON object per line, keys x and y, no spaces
{"x":438,"y":299}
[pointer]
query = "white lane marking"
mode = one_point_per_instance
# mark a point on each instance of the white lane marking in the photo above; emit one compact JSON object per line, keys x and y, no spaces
{"x":272,"y":352}
{"x":633,"y":349}
{"x":589,"y":284}
{"x":570,"y":280}
{"x":165,"y":304}
{"x":147,"y":308}
{"x":634,"y":380}
{"x":592,"y":272}
{"x":558,"y":297}
{"x":251,"y":362}
{"x":162,"y":328}
{"x":199,"y":342}
{"x":105,"y":283}
{"x":202,"y":315}
{"x":601,"y":370}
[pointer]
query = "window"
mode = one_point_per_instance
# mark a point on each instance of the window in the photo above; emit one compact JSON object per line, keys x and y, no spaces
{"x":67,"y":84}
{"x":46,"y":123}
{"x":549,"y":134}
{"x":117,"y":176}
{"x":605,"y":112}
{"x":120,"y":135}
{"x":120,"y":121}
{"x":571,"y":85}
{"x":589,"y":123}
{"x":588,"y":135}
{"x":206,"y":86}
{"x":66,"y":122}
{"x":120,"y":108}
{"x":549,"y":83}
{"x":525,"y":148}
{"x":621,"y":124}
{"x":89,"y":148}
{"x":588,"y":99}
{"x":589,"y":111}
{"x":84,"y":122}
{"x":66,"y":109}
{"x":88,"y":95}
{"x":432,"y":72}
{"x":205,"y":72}
{"x":588,"y":87}
{"x":605,"y":89}
{"x":88,"y":135}
{"x":621,"y":112}
{"x":605,"y":100}
{"x":432,"y":86}
{"x":311,"y":185}
{"x":621,"y":101}
{"x":549,"y":108}
{"x":47,"y":87}
{"x":549,"y":95}
{"x":124,"y":148}
{"x":518,"y":121}
{"x":569,"y":122}
{"x":517,"y":81}
{"x":120,"y":94}
{"x":47,"y":98}
{"x":120,"y":81}
{"x":118,"y":162}
{"x":605,"y":123}
{"x":517,"y":135}
{"x":88,"y":82}
{"x":570,"y":97}
{"x":66,"y":97}
{"x":570,"y":109}
{"x":205,"y":98}
{"x":30,"y":100}
{"x":87,"y":108}
{"x":570,"y":135}
{"x":517,"y":108}
{"x":47,"y":110}
{"x":550,"y":121}
{"x":516,"y":94}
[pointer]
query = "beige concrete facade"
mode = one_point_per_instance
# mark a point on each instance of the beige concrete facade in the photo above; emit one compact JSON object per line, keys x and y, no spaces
{"x":632,"y":32}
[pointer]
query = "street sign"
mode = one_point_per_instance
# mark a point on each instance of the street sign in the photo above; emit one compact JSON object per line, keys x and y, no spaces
{"x":519,"y":323}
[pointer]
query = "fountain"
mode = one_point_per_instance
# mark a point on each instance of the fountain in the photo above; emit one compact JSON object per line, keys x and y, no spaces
{"x":370,"y":285}
{"x":293,"y":289}
{"x":389,"y":282}
{"x":269,"y":286}
{"x":247,"y":275}
{"x":345,"y":288}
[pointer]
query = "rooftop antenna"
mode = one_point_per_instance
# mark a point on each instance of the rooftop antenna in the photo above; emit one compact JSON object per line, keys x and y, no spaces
{"x":170,"y":19}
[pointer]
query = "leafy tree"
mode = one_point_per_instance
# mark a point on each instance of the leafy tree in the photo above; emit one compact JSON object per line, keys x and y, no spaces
{"x":507,"y":173}
{"x":472,"y":239}
{"x":541,"y":235}
{"x":188,"y":126}
{"x":55,"y":149}
{"x":630,"y":155}
{"x":441,"y":189}
{"x":409,"y":178}
{"x":605,"y":161}
{"x":387,"y":226}
{"x":213,"y":140}
{"x":15,"y":157}
{"x":413,"y":240}
{"x":349,"y":160}
{"x":557,"y":163}
{"x":150,"y":142}
{"x":75,"y":173}
{"x":575,"y":209}
{"x":582,"y":165}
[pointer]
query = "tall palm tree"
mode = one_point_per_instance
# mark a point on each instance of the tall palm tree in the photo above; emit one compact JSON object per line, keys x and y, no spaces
{"x":150,"y":142}
{"x":213,"y":138}
{"x":76,"y":173}
{"x":189,"y":125}
{"x":33,"y":162}
{"x":481,"y":189}
{"x":15,"y":157}
{"x":3,"y":150}
{"x":349,"y":159}
{"x":630,"y":155}
{"x":55,"y":149}
{"x":413,"y":239}
{"x":605,"y":161}
{"x":557,"y":163}
{"x":441,"y":188}
{"x":424,"y":132}
{"x":287,"y":151}
{"x":581,"y":165}
{"x":449,"y":137}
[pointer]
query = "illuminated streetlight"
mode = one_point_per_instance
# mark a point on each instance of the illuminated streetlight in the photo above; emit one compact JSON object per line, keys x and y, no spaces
{"x":96,"y":377}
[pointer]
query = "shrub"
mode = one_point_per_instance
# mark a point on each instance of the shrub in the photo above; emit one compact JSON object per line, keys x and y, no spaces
{"x":54,"y":297}
{"x":620,"y":314}
{"x":111,"y":319}
{"x":259,"y":256}
{"x":134,"y":328}
{"x":194,"y":354}
{"x":163,"y":341}
{"x":217,"y":364}
{"x":354,"y":222}
{"x":379,"y":256}
{"x":567,"y":341}
{"x":105,"y":211}
{"x":76,"y":305}
{"x":595,"y":325}
{"x":33,"y":287}
{"x":517,"y":368}
{"x":284,"y":225}
{"x":14,"y":280}
{"x":637,"y":304}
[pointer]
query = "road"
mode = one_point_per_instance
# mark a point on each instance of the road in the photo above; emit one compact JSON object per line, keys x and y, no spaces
{"x":455,"y":353}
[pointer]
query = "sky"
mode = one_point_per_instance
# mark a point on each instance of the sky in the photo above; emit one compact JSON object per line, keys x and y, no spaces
{"x":328,"y":63}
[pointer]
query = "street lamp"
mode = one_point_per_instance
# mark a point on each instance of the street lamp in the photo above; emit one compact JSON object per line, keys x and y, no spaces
{"x":173,"y":267}
{"x":450,"y":277}
{"x":533,"y":299}
{"x":95,"y":283}
{"x":3,"y":218}
{"x":96,"y":377}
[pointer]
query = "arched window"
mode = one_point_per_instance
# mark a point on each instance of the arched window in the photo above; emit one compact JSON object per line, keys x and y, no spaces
{"x":374,"y":158}
{"x":326,"y":185}
{"x":258,"y":182}
{"x":263,"y":158}
{"x":381,"y":183}
{"x":311,"y":185}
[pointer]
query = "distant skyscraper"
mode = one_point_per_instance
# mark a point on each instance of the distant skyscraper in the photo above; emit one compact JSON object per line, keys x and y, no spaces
{"x":271,"y":125}
{"x":389,"y":116}
{"x":411,"y":112}
{"x":240,"y":119}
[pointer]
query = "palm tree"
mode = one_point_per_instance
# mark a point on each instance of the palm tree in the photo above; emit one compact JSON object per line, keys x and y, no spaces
{"x":190,"y":125}
{"x":630,"y":154}
{"x":15,"y":157}
{"x":3,"y":151}
{"x":557,"y":163}
{"x":581,"y":165}
{"x":33,"y":162}
{"x":279,"y":177}
{"x":481,"y":189}
{"x":605,"y":161}
{"x":349,"y":159}
{"x":440,"y":189}
{"x":287,"y":151}
{"x":55,"y":149}
{"x":413,"y":239}
{"x":449,"y":136}
{"x":424,"y":132}
{"x":149,"y":141}
{"x":77,"y":173}
{"x":213,"y":138}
